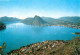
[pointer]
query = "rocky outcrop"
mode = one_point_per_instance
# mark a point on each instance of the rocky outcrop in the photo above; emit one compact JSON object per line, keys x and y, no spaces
{"x":2,"y":26}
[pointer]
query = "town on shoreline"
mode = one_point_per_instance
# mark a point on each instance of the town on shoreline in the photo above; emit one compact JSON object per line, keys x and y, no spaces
{"x":51,"y":47}
{"x":33,"y":49}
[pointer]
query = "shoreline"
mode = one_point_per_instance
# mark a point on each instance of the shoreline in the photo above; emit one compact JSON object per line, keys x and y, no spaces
{"x":51,"y":47}
{"x":70,"y":26}
{"x":32,"y":48}
{"x":48,"y":47}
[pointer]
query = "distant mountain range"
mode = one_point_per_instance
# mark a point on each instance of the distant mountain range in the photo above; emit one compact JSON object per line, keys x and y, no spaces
{"x":71,"y":19}
{"x":44,"y":21}
{"x":37,"y":21}
{"x":8,"y":19}
{"x":48,"y":21}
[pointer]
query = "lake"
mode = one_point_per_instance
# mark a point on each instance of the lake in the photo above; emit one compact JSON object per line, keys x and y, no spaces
{"x":17,"y":35}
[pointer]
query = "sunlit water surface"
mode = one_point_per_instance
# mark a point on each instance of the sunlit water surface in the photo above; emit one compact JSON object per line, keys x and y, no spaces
{"x":17,"y":35}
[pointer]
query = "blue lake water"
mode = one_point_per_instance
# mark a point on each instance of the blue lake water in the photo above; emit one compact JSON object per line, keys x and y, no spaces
{"x":17,"y":35}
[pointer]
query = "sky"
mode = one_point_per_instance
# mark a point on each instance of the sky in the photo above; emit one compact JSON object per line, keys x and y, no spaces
{"x":47,"y":8}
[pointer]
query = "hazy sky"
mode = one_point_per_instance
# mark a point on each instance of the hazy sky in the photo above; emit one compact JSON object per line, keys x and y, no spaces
{"x":48,"y":8}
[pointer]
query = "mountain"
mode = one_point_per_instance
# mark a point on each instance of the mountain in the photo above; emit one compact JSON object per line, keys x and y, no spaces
{"x":27,"y":20}
{"x":37,"y":21}
{"x":63,"y":20}
{"x":54,"y":21}
{"x":43,"y":21}
{"x":2,"y":26}
{"x":71,"y":19}
{"x":48,"y":21}
{"x":9,"y":19}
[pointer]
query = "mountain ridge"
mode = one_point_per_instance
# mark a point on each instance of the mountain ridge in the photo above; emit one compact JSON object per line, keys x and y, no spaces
{"x":8,"y":19}
{"x":37,"y":21}
{"x":59,"y":21}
